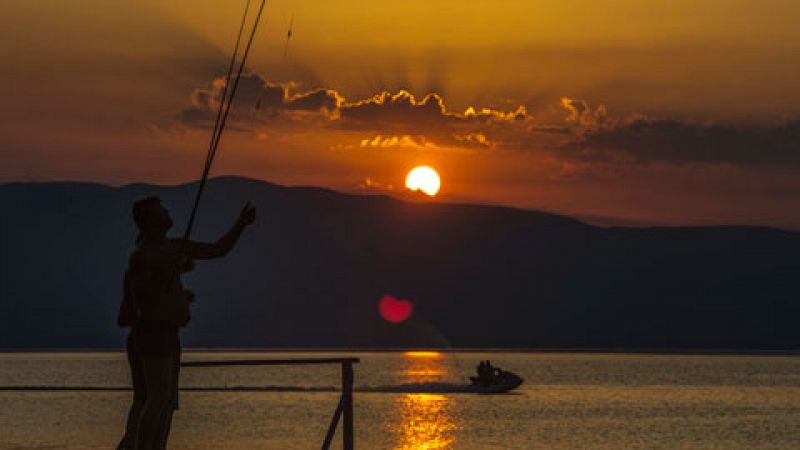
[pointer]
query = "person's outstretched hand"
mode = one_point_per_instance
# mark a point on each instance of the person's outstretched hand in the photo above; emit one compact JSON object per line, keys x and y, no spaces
{"x":248,"y":214}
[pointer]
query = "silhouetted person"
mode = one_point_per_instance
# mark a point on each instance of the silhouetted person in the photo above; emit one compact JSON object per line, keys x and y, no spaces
{"x":155,"y":306}
{"x":485,"y":371}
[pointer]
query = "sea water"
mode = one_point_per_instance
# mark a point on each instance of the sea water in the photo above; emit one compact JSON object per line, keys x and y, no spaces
{"x":567,"y":401}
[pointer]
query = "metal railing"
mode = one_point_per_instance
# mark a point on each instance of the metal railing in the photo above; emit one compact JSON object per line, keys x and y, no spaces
{"x":345,"y":406}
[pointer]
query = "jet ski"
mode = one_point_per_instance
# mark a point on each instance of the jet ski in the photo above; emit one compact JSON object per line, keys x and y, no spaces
{"x":500,"y":381}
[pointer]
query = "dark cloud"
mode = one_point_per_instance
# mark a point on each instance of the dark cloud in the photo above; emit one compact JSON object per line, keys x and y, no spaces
{"x":671,"y":141}
{"x":385,"y":108}
{"x":254,"y":93}
{"x":315,"y":100}
{"x":399,"y":108}
{"x":389,"y":114}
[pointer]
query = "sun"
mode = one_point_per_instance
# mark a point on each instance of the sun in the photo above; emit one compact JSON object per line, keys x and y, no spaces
{"x":425,"y":179}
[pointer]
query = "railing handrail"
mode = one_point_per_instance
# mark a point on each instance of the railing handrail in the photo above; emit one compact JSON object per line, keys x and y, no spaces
{"x":269,"y":362}
{"x":344,"y":410}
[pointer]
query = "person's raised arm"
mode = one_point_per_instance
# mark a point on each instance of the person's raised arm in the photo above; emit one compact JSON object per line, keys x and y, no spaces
{"x":207,"y":250}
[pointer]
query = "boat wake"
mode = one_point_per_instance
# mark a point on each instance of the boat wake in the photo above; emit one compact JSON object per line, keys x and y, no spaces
{"x":418,"y":388}
{"x":404,"y":388}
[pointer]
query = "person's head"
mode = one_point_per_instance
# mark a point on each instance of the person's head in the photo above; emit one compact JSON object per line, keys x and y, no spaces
{"x":151,"y":218}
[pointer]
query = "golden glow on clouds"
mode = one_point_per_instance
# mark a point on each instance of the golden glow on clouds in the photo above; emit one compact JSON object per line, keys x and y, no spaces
{"x":407,"y":141}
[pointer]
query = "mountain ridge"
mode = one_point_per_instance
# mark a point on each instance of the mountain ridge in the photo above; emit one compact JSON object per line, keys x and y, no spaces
{"x":311,"y":270}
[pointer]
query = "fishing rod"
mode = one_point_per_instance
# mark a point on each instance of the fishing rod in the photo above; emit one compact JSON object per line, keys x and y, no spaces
{"x":236,"y":83}
{"x":224,"y":94}
{"x":222,"y":115}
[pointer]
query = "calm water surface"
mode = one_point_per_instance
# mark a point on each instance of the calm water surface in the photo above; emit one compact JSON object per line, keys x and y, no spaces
{"x":568,"y":401}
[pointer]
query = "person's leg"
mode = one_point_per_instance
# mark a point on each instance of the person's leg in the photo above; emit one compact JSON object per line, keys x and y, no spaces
{"x":173,"y":388}
{"x":158,"y":404}
{"x":128,"y":441}
{"x":166,"y":426}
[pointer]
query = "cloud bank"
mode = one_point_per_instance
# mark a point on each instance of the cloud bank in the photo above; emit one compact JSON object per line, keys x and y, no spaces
{"x":576,"y":131}
{"x":672,"y":141}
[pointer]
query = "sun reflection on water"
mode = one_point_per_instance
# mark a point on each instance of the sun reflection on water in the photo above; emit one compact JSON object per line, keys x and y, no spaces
{"x":424,"y":421}
{"x":422,"y":354}
{"x":424,"y":367}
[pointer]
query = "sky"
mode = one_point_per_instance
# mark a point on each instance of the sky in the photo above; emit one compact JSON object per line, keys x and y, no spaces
{"x":620,"y":112}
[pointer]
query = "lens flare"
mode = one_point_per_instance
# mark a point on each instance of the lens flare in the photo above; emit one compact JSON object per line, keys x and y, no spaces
{"x":394,"y":310}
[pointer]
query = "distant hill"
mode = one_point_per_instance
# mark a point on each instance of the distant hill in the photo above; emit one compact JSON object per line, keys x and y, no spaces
{"x":311,"y":270}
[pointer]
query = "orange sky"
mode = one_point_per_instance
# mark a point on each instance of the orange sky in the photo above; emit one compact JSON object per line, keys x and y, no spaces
{"x":678,"y":112}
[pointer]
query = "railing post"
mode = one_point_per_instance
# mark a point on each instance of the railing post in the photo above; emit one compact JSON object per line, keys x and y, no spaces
{"x":347,"y":400}
{"x":326,"y":444}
